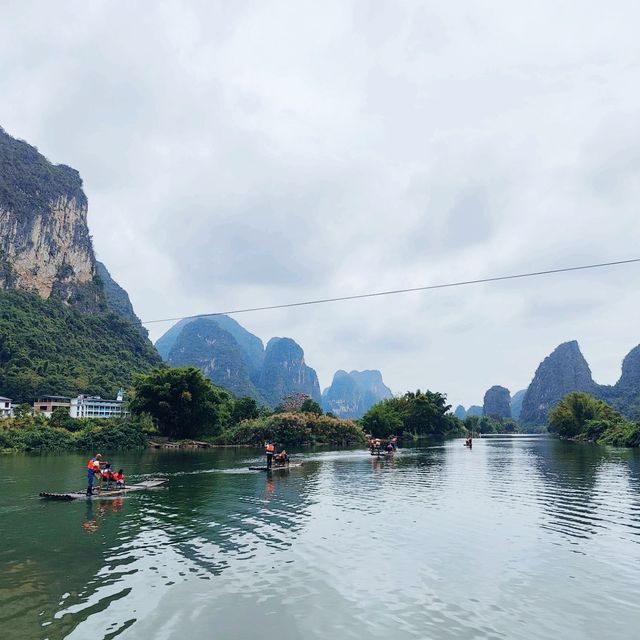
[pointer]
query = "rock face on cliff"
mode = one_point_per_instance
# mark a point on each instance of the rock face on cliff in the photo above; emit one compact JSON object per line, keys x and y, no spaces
{"x":497,"y":403}
{"x":474,"y":410}
{"x":284,"y":371}
{"x":59,"y":333}
{"x":203,"y":343}
{"x":352,"y":394}
{"x":45,"y":245}
{"x":564,"y":371}
{"x":118,"y":299}
{"x":516,"y":403}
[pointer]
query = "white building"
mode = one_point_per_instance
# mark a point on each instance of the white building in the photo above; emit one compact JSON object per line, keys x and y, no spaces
{"x":96,"y":407}
{"x":6,"y":407}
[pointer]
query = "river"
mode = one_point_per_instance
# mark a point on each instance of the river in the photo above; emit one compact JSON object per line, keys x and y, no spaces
{"x":521,"y":537}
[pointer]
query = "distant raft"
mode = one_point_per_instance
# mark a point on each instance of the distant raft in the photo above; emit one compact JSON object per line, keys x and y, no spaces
{"x":105,"y":493}
{"x":281,"y":467}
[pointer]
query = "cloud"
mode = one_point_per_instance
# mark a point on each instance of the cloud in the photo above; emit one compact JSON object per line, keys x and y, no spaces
{"x":244,"y":154}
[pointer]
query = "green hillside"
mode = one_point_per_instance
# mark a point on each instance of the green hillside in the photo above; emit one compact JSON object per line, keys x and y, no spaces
{"x":47,"y":347}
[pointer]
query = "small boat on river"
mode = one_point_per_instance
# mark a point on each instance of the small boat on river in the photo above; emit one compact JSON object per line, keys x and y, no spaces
{"x":104,"y":493}
{"x":280,"y":467}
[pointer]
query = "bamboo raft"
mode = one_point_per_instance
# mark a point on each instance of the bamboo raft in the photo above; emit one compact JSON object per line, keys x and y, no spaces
{"x":105,"y":493}
{"x":280,"y":467}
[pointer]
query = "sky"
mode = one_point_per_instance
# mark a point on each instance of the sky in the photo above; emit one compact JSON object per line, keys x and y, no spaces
{"x":240,"y":154}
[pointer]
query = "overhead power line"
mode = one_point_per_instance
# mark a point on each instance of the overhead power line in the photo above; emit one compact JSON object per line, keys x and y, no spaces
{"x":397,"y":291}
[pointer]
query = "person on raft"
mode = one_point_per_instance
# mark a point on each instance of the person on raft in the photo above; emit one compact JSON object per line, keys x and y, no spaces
{"x":107,"y":474}
{"x":389,"y":448}
{"x":270,"y":449}
{"x":469,"y":442}
{"x":119,"y":478}
{"x":280,"y":459}
{"x":93,"y":472}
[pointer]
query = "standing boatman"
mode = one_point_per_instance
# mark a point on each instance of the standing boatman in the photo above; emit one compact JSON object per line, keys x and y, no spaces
{"x":93,"y":467}
{"x":270,"y":449}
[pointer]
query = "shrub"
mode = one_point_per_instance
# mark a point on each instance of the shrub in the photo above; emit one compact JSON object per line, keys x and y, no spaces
{"x":295,"y":429}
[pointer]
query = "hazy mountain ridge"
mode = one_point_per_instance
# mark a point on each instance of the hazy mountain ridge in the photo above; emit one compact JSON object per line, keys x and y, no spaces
{"x":236,"y":360}
{"x":352,"y":394}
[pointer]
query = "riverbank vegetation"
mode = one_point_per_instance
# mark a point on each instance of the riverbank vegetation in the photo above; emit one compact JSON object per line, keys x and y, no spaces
{"x":413,"y":415}
{"x":294,"y":429}
{"x":580,"y":416}
{"x":180,"y":405}
{"x":29,"y":433}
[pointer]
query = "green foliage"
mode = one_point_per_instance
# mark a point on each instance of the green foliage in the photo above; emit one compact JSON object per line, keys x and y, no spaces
{"x":311,"y":406}
{"x":581,"y":416}
{"x":34,"y":434}
{"x":570,"y":416}
{"x":295,"y":429}
{"x":413,"y":414}
{"x":244,"y":408}
{"x":109,"y":435}
{"x":182,"y":401}
{"x":49,"y":347}
{"x":382,"y":420}
{"x":487,"y":424}
{"x":31,"y":436}
{"x":29,"y":182}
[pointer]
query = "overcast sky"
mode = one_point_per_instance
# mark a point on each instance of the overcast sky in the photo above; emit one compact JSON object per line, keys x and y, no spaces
{"x":249,"y":153}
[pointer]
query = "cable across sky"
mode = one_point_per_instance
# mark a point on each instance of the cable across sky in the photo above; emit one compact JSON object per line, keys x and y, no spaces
{"x":430,"y":287}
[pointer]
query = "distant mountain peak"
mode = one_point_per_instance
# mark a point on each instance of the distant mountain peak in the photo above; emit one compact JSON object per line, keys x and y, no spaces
{"x":352,"y":394}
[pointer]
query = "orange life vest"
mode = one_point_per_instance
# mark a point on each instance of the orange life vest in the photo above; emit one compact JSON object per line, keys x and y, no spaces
{"x":93,"y":465}
{"x":270,"y":448}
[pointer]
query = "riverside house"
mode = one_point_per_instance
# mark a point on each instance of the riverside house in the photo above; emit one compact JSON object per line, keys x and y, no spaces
{"x":96,"y":407}
{"x":46,"y":405}
{"x":6,"y":407}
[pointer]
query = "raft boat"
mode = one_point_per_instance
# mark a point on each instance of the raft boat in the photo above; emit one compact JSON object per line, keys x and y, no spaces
{"x":281,"y":467}
{"x":105,"y":493}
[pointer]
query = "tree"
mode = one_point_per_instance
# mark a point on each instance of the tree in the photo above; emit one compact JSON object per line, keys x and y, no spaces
{"x":419,"y":414}
{"x":572,"y":416}
{"x":23,"y":410}
{"x":61,"y":418}
{"x":311,"y":406}
{"x":244,"y":408}
{"x":182,"y":401}
{"x":382,"y":420}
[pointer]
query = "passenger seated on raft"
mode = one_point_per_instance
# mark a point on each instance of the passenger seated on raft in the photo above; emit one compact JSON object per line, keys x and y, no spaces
{"x":118,"y":478}
{"x":281,"y":458}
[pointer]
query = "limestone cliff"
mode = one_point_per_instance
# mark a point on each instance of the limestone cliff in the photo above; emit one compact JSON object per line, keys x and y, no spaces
{"x":562,"y":372}
{"x":352,"y":394}
{"x":284,"y":371}
{"x":497,"y":403}
{"x":45,"y":246}
{"x":204,"y":344}
{"x":118,"y":299}
{"x":57,"y":334}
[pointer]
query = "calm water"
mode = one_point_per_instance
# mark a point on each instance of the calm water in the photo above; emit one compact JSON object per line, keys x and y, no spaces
{"x":518,"y":538}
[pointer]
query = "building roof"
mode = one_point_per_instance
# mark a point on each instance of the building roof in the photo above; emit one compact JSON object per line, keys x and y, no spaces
{"x":3,"y":399}
{"x":45,"y":398}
